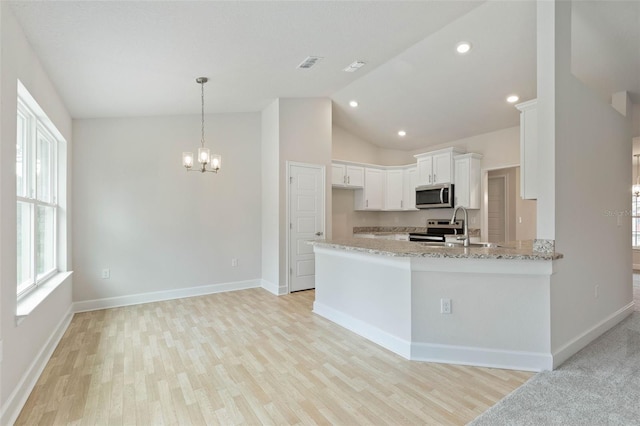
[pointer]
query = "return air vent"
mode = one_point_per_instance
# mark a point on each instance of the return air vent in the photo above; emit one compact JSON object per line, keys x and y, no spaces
{"x":309,"y":62}
{"x":355,"y":66}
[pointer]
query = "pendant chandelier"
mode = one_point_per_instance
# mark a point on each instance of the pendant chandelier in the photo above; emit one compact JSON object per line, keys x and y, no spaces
{"x":636,"y":187}
{"x":204,"y":155}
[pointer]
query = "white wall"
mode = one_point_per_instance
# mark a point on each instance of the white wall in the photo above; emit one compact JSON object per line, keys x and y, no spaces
{"x":305,"y":137}
{"x":155,"y":226}
{"x":25,"y":342}
{"x":270,"y":195}
{"x":586,"y":135}
{"x":295,"y":130}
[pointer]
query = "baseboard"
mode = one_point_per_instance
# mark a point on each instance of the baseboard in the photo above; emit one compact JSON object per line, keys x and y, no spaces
{"x":159,"y":296}
{"x":273,"y":288}
{"x":495,"y":358}
{"x":20,"y":394}
{"x":380,"y":337}
{"x":481,"y":357}
{"x":579,"y":342}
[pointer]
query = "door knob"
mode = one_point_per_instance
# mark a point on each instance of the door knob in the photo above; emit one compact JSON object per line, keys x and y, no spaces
{"x":319,"y":233}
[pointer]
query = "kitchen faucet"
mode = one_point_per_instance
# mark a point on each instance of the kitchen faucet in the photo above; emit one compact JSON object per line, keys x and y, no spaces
{"x":465,"y":237}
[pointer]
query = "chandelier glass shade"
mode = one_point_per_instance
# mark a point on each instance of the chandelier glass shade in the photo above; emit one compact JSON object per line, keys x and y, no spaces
{"x":207,"y":161}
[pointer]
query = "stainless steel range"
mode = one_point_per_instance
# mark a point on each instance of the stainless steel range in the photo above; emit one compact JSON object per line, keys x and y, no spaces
{"x":438,"y":229}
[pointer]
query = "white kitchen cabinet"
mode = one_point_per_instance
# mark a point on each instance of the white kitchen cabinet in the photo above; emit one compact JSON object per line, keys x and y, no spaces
{"x":437,"y":166}
{"x":371,"y":197}
{"x":528,"y":149}
{"x":347,"y":175}
{"x":410,"y":180}
{"x":393,"y":190}
{"x":467,"y":180}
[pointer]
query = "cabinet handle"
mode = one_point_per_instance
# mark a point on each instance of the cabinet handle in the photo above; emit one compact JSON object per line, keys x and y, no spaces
{"x":430,"y":178}
{"x":367,"y":203}
{"x":349,"y":180}
{"x":344,"y":179}
{"x":434,"y":178}
{"x":401,"y":202}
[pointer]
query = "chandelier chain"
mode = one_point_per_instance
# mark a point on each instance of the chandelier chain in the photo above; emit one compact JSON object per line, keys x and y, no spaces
{"x":202,"y":102}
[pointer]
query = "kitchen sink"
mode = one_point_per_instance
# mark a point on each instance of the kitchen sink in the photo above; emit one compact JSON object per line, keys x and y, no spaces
{"x":458,"y":245}
{"x":480,"y":245}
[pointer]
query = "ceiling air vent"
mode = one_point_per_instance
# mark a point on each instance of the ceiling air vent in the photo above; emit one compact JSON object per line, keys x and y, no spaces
{"x":309,"y":62}
{"x":355,"y":66}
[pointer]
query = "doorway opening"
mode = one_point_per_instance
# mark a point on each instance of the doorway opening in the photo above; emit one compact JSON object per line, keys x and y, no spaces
{"x":507,"y":217}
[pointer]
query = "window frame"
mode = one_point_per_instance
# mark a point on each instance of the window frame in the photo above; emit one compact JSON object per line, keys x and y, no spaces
{"x":34,"y":131}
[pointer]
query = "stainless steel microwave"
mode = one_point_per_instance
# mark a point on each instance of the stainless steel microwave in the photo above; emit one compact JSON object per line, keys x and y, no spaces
{"x":435,"y":196}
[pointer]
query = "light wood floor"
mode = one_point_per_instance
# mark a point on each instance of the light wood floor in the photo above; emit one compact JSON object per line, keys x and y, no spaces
{"x":245,"y":357}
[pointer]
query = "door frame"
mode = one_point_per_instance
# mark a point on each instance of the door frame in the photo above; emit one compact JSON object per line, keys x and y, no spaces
{"x":484,"y":221}
{"x":505,"y":205}
{"x":323,"y":219}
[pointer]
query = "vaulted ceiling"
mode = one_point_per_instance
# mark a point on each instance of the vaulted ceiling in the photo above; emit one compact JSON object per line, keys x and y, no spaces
{"x":141,"y":58}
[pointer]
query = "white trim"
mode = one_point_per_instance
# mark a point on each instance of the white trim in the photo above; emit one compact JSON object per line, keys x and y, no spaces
{"x":273,"y":288}
{"x":158,"y":296}
{"x":21,"y":392}
{"x":481,"y":357}
{"x":447,"y":354}
{"x":574,"y":345}
{"x":323,"y":172}
{"x":382,"y":338}
{"x":30,"y":300}
{"x":484,"y":189}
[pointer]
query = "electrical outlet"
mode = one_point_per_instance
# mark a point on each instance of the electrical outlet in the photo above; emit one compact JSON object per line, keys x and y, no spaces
{"x":234,"y":262}
{"x":445,"y":306}
{"x":106,"y":274}
{"x":519,"y":219}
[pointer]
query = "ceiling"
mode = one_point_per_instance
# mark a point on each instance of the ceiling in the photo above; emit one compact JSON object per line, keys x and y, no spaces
{"x":141,"y":58}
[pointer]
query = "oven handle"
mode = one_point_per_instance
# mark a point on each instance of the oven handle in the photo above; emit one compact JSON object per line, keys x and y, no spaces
{"x":441,"y":195}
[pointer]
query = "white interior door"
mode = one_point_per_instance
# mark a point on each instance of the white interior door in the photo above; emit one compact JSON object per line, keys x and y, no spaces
{"x":497,"y":209}
{"x":306,"y":222}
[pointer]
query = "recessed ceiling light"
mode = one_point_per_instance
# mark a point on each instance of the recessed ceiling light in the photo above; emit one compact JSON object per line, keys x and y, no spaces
{"x":353,"y":104}
{"x":402,"y":133}
{"x":463,"y":47}
{"x":512,"y":99}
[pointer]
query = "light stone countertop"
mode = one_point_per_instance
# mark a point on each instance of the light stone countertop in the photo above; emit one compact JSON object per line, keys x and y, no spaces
{"x":391,"y":230}
{"x":515,"y":250}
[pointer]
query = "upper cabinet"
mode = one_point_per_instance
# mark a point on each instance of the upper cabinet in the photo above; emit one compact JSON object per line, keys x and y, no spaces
{"x":372,"y":196}
{"x":393,"y":190}
{"x":528,"y":149}
{"x":436,"y":167}
{"x":467,"y":180}
{"x":410,"y":175}
{"x":347,"y":175}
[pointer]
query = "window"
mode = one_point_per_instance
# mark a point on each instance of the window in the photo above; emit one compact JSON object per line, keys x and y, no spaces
{"x":635,"y":222}
{"x":36,"y":195}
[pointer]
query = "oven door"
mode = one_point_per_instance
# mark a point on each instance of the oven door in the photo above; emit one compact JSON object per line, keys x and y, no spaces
{"x":434,"y":196}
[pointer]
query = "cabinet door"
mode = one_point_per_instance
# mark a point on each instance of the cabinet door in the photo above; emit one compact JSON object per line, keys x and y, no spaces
{"x":461,"y":182}
{"x":373,"y":181}
{"x":337,"y":175}
{"x":425,"y":171}
{"x":393,"y":190}
{"x":355,"y":176}
{"x":529,"y":153}
{"x":442,"y":168}
{"x":409,"y":188}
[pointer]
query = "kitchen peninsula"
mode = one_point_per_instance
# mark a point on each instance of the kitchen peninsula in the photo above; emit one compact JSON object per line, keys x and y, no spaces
{"x":398,"y":293}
